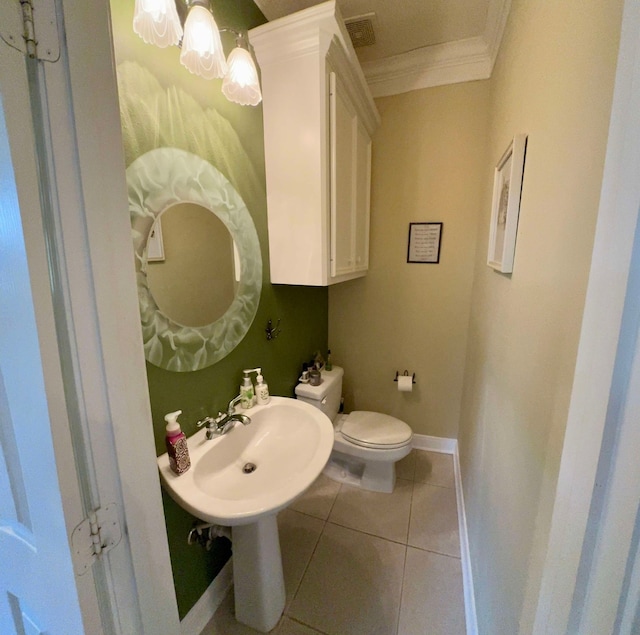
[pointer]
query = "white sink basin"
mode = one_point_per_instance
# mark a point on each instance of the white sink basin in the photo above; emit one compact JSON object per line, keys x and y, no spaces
{"x":288,"y":442}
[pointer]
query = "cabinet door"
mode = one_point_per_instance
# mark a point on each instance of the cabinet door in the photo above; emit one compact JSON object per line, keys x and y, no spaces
{"x":362,"y":198}
{"x":344,"y":125}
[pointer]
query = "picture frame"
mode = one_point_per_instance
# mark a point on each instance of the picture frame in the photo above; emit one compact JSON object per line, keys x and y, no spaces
{"x":424,"y":243}
{"x":155,"y":243}
{"x":505,"y":207}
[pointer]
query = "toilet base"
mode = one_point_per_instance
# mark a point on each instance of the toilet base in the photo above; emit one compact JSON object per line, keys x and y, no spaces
{"x":375,"y":476}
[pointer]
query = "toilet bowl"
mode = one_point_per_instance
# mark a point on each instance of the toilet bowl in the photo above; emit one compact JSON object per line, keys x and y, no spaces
{"x":366,"y":445}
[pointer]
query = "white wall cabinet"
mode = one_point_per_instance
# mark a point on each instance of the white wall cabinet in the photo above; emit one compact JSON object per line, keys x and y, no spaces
{"x":318,"y":120}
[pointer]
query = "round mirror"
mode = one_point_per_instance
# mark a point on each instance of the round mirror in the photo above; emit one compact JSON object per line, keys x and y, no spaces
{"x":190,"y":248}
{"x":198,"y":261}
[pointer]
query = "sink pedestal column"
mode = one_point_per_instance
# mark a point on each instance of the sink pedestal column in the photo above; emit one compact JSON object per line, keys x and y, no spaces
{"x":257,"y":574}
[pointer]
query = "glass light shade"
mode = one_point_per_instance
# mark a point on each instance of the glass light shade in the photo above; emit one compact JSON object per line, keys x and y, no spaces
{"x":157,"y":22}
{"x":241,"y":84}
{"x":202,"y":51}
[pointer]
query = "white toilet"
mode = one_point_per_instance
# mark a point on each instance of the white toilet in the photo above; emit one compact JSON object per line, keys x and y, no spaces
{"x":366,"y":445}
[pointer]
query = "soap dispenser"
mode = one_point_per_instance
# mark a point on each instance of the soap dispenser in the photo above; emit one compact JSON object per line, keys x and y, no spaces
{"x":247,"y":397}
{"x":176,"y":442}
{"x":262,"y":390}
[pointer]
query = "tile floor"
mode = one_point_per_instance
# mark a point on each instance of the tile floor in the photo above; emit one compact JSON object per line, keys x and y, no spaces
{"x":363,"y":563}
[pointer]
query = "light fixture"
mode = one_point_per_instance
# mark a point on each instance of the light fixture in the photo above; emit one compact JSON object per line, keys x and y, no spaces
{"x":202,"y":51}
{"x":241,"y":84}
{"x":157,"y":22}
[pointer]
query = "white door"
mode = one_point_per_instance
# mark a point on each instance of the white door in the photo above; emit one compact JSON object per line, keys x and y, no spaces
{"x":344,"y":124}
{"x":363,"y":197}
{"x":37,"y":585}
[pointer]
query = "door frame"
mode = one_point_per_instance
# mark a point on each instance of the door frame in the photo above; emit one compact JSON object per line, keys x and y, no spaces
{"x":83,"y":283}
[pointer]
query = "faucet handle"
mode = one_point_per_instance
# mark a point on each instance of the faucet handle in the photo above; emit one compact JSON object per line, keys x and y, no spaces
{"x":205,"y":422}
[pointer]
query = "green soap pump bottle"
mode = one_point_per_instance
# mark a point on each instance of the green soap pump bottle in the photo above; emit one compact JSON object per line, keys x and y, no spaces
{"x":328,"y":365}
{"x":247,"y":397}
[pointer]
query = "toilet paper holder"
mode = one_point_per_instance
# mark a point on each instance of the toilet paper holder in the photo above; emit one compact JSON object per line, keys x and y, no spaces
{"x":406,"y":374}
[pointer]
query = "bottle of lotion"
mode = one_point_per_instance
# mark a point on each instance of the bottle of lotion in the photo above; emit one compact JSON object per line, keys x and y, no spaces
{"x":176,"y":441}
{"x":262,"y":390}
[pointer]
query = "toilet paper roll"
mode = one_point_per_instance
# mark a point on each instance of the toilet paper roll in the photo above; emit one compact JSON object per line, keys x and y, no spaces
{"x":405,"y":383}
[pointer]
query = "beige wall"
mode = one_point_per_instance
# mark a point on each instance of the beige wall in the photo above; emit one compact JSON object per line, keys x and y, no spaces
{"x":428,"y":160}
{"x":553,"y":81}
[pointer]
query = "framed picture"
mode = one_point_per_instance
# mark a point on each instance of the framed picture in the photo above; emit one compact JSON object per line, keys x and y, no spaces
{"x":155,"y":244}
{"x":505,"y":208}
{"x":424,"y":243}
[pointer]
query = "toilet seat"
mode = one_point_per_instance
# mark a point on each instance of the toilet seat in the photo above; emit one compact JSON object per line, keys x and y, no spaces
{"x":375,"y":430}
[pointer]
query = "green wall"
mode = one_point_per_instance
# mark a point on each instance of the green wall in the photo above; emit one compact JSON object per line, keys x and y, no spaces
{"x":194,"y":115}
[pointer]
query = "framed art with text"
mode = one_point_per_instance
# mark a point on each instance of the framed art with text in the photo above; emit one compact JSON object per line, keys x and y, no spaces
{"x":424,"y":242}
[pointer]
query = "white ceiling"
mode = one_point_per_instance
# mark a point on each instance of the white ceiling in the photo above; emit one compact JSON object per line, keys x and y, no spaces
{"x":419,"y":43}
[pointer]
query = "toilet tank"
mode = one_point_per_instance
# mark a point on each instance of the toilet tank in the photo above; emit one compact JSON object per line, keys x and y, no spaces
{"x":327,"y":395}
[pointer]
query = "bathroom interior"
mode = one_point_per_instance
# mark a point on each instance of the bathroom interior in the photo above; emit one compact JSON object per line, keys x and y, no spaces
{"x":493,"y":353}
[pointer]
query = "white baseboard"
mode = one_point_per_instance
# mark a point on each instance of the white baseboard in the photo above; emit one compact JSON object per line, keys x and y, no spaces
{"x":465,"y":556}
{"x":202,"y":611}
{"x":434,"y":444}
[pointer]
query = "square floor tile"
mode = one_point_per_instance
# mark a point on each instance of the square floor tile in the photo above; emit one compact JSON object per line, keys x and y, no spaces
{"x":434,"y":519}
{"x":299,"y":535}
{"x":431,"y":595}
{"x":352,"y":585}
{"x":289,"y":627}
{"x":224,"y":621}
{"x":406,"y":468}
{"x":434,"y":468}
{"x":318,"y":499}
{"x":383,"y":515}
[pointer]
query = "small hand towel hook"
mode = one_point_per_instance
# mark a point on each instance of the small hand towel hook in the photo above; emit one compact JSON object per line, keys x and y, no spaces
{"x":271,"y":331}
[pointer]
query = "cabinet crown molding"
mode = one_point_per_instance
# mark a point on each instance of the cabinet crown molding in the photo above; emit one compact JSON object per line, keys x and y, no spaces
{"x":318,"y":30}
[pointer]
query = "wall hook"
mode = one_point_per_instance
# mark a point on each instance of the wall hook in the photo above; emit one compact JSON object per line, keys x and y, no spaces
{"x":406,"y":374}
{"x":271,"y":331}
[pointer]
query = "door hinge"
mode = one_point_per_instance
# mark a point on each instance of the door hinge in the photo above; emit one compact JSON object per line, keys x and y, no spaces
{"x":94,"y":537}
{"x":31,"y":27}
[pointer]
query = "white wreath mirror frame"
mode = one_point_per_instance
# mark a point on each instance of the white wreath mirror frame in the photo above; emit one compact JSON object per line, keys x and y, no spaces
{"x":156,"y":181}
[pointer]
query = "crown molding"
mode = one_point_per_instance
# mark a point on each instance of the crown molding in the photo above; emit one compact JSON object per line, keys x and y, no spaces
{"x":497,"y":14}
{"x":448,"y":63}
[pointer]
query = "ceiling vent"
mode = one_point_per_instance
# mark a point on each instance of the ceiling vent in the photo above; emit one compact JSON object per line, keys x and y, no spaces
{"x":361,"y":29}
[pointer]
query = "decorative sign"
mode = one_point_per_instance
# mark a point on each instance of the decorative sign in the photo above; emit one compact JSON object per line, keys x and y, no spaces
{"x":424,"y":242}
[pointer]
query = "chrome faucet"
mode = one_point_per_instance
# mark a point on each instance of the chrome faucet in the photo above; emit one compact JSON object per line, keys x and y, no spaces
{"x":217,"y":426}
{"x":231,"y":408}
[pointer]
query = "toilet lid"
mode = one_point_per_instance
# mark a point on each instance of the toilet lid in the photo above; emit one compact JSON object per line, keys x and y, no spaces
{"x":375,"y":430}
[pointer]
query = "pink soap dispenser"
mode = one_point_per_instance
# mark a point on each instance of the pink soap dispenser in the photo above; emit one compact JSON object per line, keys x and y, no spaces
{"x":177,"y":447}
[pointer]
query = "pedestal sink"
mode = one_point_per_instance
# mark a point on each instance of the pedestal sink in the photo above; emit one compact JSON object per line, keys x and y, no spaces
{"x":242,"y":479}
